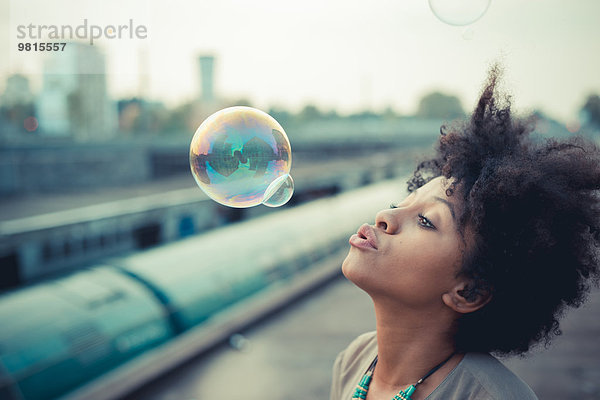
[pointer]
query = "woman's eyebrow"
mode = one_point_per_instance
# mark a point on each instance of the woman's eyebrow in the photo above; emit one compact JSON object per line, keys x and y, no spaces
{"x":450,"y":206}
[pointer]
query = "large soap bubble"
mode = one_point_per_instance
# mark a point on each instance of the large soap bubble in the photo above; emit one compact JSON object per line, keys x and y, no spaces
{"x":459,"y":12}
{"x":241,"y":157}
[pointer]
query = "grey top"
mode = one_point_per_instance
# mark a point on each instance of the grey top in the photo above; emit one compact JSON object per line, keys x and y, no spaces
{"x":477,"y":376}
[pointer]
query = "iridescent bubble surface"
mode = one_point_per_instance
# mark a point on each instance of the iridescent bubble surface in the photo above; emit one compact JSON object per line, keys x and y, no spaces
{"x":237,"y":154}
{"x":459,"y":12}
{"x":279,"y":192}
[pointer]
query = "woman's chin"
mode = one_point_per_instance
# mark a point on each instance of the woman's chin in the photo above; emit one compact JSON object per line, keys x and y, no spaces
{"x":356,"y":272}
{"x":348,"y":267}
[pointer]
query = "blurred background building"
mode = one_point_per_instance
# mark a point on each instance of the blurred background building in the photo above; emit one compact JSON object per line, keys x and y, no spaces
{"x":73,"y":102}
{"x":206,"y":64}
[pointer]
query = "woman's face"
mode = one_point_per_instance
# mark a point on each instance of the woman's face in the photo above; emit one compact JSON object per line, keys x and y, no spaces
{"x":413,"y":252}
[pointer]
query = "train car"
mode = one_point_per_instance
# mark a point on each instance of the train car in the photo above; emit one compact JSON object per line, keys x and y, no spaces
{"x":203,"y":274}
{"x":59,"y":335}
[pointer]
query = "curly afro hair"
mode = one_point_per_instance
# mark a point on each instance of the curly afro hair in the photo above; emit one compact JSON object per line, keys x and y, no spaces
{"x":533,"y":207}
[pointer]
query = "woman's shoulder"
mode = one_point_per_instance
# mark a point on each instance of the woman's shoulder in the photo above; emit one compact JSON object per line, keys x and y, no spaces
{"x":485,"y":377}
{"x":366,"y":341}
{"x":363,"y":348}
{"x":352,"y":363}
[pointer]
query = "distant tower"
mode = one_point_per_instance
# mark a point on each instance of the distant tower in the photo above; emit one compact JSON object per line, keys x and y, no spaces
{"x":207,"y":79}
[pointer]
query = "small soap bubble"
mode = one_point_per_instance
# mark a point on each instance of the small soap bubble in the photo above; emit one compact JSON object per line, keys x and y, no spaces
{"x":573,"y":126}
{"x":279,"y":192}
{"x":468,"y":33}
{"x":459,"y":12}
{"x":30,"y":124}
{"x":239,"y":342}
{"x":241,"y":157}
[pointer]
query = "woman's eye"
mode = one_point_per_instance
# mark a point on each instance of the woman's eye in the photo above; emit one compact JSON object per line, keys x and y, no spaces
{"x":392,"y":205}
{"x":425,"y":222}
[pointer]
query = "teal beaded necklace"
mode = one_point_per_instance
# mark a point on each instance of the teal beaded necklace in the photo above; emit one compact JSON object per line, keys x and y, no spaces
{"x":360,"y":393}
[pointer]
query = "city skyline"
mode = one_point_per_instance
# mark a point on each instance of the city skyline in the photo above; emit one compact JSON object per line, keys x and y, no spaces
{"x":343,"y":56}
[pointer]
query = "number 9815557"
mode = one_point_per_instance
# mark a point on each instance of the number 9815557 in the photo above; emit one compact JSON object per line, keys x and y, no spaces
{"x":41,"y":46}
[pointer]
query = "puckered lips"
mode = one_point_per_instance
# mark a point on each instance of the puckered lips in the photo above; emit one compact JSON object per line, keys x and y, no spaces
{"x":365,"y":238}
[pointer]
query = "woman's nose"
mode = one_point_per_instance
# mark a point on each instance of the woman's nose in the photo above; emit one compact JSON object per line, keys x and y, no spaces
{"x":387,"y":221}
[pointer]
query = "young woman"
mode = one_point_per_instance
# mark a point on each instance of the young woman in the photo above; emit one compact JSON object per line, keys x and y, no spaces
{"x":500,"y":232}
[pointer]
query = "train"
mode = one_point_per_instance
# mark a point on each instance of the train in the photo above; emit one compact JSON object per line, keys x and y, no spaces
{"x":63,"y":338}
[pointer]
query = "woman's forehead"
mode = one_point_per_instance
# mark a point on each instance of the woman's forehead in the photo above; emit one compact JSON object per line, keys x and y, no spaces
{"x":437,"y":185}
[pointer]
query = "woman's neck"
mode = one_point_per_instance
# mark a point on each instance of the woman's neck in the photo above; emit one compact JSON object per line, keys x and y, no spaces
{"x":410,"y":345}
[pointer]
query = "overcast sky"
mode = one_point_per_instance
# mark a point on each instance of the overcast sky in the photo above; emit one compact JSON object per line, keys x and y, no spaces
{"x":347,"y":55}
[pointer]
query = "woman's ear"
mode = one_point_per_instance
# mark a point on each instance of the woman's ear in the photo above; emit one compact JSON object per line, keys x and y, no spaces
{"x":464,"y":298}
